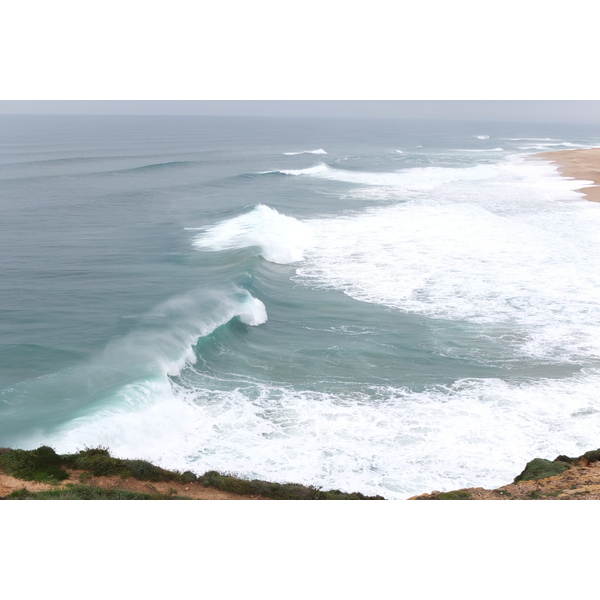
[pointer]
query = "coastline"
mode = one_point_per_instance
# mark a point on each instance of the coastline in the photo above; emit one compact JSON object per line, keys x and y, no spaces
{"x":93,"y":474}
{"x":583,"y":164}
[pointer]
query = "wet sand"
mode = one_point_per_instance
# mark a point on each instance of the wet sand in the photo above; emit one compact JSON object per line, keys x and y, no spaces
{"x":581,"y":164}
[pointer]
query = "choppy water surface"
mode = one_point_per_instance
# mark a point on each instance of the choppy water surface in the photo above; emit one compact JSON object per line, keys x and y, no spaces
{"x":375,"y":306}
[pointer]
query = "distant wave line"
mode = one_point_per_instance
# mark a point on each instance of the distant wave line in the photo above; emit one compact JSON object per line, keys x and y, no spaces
{"x":319,"y":151}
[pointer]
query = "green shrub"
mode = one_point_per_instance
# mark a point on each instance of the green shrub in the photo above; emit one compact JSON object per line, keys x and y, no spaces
{"x":277,"y":491}
{"x":565,"y":459}
{"x":42,"y":464}
{"x":540,"y":468}
{"x":456,"y":495}
{"x":99,"y":462}
{"x":592,"y":455}
{"x":188,"y":477}
{"x":145,"y":471}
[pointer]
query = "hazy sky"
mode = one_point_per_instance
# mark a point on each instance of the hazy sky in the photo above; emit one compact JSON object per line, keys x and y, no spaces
{"x":567,"y":111}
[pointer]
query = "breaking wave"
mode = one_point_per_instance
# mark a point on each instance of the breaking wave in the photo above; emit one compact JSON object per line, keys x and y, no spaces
{"x":280,"y":239}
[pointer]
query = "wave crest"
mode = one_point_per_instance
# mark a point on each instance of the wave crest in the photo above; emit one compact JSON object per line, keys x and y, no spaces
{"x":281,"y":239}
{"x":318,"y":151}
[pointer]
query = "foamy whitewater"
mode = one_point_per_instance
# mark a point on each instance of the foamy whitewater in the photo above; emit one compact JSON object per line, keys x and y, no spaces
{"x":205,"y":294}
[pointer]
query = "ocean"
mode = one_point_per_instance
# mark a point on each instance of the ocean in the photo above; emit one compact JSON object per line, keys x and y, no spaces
{"x":383,"y":306}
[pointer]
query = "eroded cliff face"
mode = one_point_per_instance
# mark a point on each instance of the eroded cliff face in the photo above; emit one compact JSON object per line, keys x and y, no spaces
{"x":564,"y":478}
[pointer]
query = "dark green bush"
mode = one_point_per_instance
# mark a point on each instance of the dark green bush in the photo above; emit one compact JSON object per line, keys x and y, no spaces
{"x":277,"y":491}
{"x":457,"y":495}
{"x":592,"y":455}
{"x":145,"y":471}
{"x":540,"y":468}
{"x":42,"y":464}
{"x":188,"y":477}
{"x":99,"y":462}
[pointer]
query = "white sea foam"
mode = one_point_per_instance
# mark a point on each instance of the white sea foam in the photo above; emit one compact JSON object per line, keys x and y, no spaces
{"x":424,"y":178}
{"x":531,"y":139}
{"x":504,"y":251}
{"x":253,"y":312}
{"x":319,"y":151}
{"x":482,"y":137}
{"x":387,"y":441}
{"x":478,"y":149}
{"x":551,"y":146}
{"x":281,"y":239}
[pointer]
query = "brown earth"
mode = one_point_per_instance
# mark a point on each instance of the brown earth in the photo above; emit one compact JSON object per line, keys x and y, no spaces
{"x":579,"y":482}
{"x":194,"y":490}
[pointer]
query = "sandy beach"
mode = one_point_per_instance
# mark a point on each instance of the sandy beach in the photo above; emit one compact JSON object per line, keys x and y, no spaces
{"x":581,"y":164}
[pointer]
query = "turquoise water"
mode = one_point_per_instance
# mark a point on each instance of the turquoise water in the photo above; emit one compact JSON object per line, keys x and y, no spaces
{"x":379,"y":306}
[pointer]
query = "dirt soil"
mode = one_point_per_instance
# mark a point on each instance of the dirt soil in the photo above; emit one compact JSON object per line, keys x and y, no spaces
{"x":194,"y":490}
{"x":580,"y":482}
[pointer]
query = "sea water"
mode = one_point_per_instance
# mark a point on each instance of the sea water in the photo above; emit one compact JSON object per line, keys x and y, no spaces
{"x":388,"y":307}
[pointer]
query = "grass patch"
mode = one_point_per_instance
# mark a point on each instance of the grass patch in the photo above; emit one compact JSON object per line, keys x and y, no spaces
{"x":277,"y":491}
{"x":540,"y":468}
{"x":44,"y":464}
{"x":98,"y":462}
{"x":457,"y":495}
{"x":87,"y":492}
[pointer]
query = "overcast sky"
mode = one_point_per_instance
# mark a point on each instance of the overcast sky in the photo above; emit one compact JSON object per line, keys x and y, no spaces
{"x":566,"y":111}
{"x":518,"y":61}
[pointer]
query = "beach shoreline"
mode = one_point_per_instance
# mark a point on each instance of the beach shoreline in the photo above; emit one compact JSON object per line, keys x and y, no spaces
{"x":581,"y":164}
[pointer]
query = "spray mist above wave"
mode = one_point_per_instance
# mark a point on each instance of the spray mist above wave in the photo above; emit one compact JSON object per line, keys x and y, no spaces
{"x":319,"y":151}
{"x":132,"y":373}
{"x":281,"y":239}
{"x":163,"y":340}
